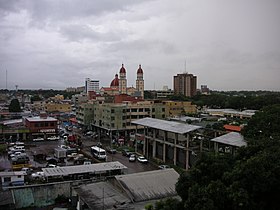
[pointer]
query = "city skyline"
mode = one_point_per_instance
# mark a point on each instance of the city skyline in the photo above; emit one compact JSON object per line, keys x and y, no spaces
{"x":229,"y":45}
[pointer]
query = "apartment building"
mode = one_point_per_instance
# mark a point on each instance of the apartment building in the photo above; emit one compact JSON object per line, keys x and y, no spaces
{"x":58,"y":107}
{"x":185,"y":84}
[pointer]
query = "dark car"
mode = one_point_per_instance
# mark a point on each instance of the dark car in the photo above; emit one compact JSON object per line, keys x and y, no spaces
{"x":126,"y":152}
{"x":111,"y":150}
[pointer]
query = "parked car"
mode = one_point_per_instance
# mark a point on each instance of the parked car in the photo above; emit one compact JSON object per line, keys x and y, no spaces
{"x":111,"y":150}
{"x":163,"y":167}
{"x":20,"y":160}
{"x":38,"y":139}
{"x":52,"y":166}
{"x":126,"y":152}
{"x":142,"y":159}
{"x":53,"y":138}
{"x":27,"y":170}
{"x":38,"y":175}
{"x":132,"y":158}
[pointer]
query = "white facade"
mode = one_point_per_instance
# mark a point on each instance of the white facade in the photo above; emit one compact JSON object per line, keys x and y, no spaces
{"x":91,"y":85}
{"x":12,"y":178}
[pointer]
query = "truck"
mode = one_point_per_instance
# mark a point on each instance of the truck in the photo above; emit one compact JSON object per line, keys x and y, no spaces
{"x":60,"y":153}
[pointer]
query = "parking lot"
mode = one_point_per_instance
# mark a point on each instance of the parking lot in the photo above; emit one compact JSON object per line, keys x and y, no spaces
{"x":47,"y":147}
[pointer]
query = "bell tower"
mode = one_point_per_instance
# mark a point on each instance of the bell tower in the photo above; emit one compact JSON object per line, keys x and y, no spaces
{"x":140,"y":81}
{"x":122,"y":81}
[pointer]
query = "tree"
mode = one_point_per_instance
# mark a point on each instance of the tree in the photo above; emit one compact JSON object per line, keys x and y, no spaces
{"x":14,"y":106}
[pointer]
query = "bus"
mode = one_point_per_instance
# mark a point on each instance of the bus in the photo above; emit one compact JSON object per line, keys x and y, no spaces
{"x":98,"y":153}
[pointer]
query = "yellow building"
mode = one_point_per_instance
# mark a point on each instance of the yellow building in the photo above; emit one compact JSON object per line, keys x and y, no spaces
{"x":53,"y":107}
{"x":178,"y":108}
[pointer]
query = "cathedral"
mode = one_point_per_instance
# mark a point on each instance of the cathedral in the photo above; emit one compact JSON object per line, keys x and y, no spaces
{"x":119,"y":84}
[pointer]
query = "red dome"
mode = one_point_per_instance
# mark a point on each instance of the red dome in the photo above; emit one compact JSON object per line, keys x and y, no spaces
{"x":140,"y":71}
{"x":122,"y":70}
{"x":115,"y":82}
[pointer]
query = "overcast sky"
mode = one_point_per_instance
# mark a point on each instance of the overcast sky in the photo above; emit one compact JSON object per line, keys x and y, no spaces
{"x":227,"y":44}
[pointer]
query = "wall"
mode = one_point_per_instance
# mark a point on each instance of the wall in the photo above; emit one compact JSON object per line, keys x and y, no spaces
{"x":40,"y":195}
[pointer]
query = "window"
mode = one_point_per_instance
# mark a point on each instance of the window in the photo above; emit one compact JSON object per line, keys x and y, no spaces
{"x":19,"y":176}
{"x":7,"y":179}
{"x":112,"y":111}
{"x":141,"y":110}
{"x":153,"y":110}
{"x":112,"y":118}
{"x":163,"y":109}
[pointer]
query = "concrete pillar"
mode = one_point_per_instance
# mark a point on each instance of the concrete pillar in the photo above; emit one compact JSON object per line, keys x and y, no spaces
{"x":187,"y":152}
{"x":144,"y":145}
{"x":175,"y":150}
{"x":154,"y":143}
{"x":135,"y":139}
{"x":164,"y":146}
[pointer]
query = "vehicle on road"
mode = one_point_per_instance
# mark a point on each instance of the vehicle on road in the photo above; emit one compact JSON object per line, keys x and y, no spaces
{"x":20,"y":160}
{"x":111,"y":150}
{"x":53,"y":138}
{"x":38,"y":139}
{"x":27,"y":170}
{"x":38,"y":175}
{"x":126,"y":152}
{"x":132,"y":158}
{"x":142,"y":159}
{"x":163,"y":167}
{"x":98,"y":153}
{"x":52,"y":166}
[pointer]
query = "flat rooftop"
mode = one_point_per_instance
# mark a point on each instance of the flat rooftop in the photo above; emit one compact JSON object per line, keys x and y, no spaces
{"x":171,"y":126}
{"x":232,"y":139}
{"x":41,"y":119}
{"x":96,"y":168}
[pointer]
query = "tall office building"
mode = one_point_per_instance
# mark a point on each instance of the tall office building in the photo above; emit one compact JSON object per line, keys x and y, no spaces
{"x":185,"y":84}
{"x":91,"y":85}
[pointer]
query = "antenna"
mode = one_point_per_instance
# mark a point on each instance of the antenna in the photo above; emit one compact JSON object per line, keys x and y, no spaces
{"x":6,"y":79}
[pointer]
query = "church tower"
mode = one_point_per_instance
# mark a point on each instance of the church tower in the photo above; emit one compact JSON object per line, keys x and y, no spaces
{"x":140,"y":81}
{"x":122,"y":81}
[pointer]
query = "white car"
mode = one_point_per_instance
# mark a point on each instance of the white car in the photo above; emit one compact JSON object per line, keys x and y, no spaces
{"x":53,"y":138}
{"x":163,"y":167}
{"x":142,"y":159}
{"x":38,"y":139}
{"x":52,"y":166}
{"x":132,"y":158}
{"x":38,"y":175}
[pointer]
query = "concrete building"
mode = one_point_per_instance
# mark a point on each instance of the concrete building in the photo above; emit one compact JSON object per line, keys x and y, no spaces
{"x":12,"y":178}
{"x":91,"y":85}
{"x":42,"y":126}
{"x":231,"y":113}
{"x":58,"y":107}
{"x":179,"y":108}
{"x":168,"y":141}
{"x":113,"y":118}
{"x":185,"y":84}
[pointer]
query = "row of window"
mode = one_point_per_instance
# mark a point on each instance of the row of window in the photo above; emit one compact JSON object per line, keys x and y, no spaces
{"x":44,"y":124}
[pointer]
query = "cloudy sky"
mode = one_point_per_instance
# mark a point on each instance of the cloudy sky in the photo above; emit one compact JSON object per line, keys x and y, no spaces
{"x":228,"y":44}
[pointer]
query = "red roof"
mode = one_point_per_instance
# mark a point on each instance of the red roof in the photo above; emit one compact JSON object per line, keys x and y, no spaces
{"x":115,"y":82}
{"x":232,"y":128}
{"x":140,"y":71}
{"x":122,"y":70}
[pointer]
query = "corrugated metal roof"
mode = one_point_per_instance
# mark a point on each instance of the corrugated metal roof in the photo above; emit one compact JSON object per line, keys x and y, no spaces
{"x":165,"y":125}
{"x":102,"y":195}
{"x":79,"y":169}
{"x":232,"y":139}
{"x":12,"y":173}
{"x":150,"y":185}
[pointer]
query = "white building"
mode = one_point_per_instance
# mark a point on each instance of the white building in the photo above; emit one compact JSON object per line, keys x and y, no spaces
{"x":12,"y":178}
{"x":91,"y":85}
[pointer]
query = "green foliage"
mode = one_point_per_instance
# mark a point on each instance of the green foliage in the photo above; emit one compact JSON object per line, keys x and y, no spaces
{"x":265,"y":123}
{"x":248,"y":181}
{"x":14,"y":106}
{"x":149,"y":206}
{"x":3,"y":148}
{"x":167,"y":204}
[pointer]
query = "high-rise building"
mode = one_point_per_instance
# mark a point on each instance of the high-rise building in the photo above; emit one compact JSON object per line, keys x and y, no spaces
{"x":185,"y":84}
{"x":91,"y":85}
